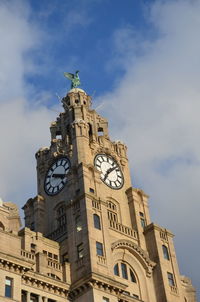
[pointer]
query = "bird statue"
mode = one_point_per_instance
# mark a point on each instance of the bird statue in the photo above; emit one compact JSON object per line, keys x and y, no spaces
{"x":74,"y":78}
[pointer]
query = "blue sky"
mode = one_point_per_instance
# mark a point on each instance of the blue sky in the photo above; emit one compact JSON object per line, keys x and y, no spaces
{"x":140,"y":62}
{"x":82,"y":34}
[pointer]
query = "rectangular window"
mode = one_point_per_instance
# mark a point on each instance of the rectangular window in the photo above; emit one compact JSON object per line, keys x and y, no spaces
{"x":124,"y":271}
{"x":8,"y":287}
{"x":99,"y":248}
{"x":80,"y":251}
{"x":170,"y":279}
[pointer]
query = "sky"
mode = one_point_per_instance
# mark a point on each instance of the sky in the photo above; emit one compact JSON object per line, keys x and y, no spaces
{"x":140,"y":62}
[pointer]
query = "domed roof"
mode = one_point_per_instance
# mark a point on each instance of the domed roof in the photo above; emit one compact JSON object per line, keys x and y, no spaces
{"x":76,"y":90}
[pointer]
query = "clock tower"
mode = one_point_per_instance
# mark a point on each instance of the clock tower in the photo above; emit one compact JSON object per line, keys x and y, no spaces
{"x":87,"y":204}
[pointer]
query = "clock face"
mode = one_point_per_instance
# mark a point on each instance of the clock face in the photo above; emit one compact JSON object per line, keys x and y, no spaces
{"x":111,"y":173}
{"x":56,"y":176}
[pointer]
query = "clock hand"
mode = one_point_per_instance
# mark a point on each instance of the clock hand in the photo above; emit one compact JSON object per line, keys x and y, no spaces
{"x":109,"y":171}
{"x":57,"y":175}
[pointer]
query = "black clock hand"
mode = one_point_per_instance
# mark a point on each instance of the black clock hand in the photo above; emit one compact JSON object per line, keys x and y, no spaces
{"x":109,"y":171}
{"x":57,"y":175}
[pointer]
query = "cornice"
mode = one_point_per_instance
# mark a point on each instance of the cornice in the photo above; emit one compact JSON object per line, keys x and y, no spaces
{"x":45,"y":283}
{"x":156,"y":227}
{"x":99,"y":281}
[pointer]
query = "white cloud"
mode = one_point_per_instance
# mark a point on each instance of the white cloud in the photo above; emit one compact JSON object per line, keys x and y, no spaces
{"x":23,"y":126}
{"x":155,"y":107}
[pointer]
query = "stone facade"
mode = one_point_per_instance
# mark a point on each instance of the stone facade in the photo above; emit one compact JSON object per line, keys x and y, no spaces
{"x":88,"y":236}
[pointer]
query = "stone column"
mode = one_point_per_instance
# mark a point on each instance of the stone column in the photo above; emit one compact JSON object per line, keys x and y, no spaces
{"x":40,"y":299}
{"x":44,"y":299}
{"x":28,"y":296}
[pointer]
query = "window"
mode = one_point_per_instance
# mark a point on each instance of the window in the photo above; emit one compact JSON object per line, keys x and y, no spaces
{"x":112,"y":206}
{"x":61,"y":217}
{"x":97,"y":223}
{"x":124,"y":271}
{"x":33,"y":247}
{"x":80,"y":251}
{"x":8,"y":287}
{"x":133,"y":279}
{"x":135,"y":296}
{"x":116,"y":270}
{"x":99,"y":247}
{"x":142,"y":221}
{"x":33,"y":298}
{"x":170,"y":279}
{"x":78,"y":224}
{"x":91,"y":190}
{"x":50,"y":255}
{"x":100,"y":131}
{"x":165,"y":252}
{"x":105,"y":299}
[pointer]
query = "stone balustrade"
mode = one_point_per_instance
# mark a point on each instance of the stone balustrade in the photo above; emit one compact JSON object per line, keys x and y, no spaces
{"x":123,"y":229}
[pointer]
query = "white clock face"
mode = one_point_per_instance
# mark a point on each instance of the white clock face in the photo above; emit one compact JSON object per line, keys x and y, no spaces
{"x":111,"y":173}
{"x":56,"y":176}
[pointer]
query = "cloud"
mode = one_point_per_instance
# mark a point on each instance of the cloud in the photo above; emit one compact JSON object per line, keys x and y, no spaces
{"x":155,"y":107}
{"x":23,"y":125}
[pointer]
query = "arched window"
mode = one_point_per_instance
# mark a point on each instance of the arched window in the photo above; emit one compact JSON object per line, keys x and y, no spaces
{"x":165,"y":252}
{"x":116,"y":270}
{"x":124,"y":271}
{"x":97,"y":223}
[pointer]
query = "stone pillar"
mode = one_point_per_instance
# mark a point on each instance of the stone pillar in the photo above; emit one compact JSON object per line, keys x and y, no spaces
{"x":44,"y":299}
{"x":40,"y":299}
{"x":28,"y":296}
